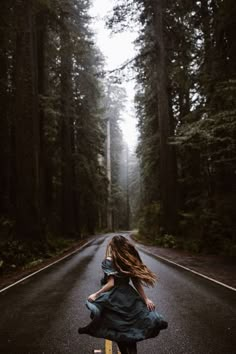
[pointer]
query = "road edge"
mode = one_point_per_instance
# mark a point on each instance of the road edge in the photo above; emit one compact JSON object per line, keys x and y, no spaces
{"x":185,"y":268}
{"x":140,"y":246}
{"x":45,"y":267}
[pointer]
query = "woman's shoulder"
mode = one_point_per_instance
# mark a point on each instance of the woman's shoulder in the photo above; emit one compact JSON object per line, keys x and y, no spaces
{"x":108,"y":266}
{"x":107,"y":262}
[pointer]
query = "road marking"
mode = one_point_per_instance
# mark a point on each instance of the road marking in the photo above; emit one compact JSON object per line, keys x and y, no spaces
{"x":49,"y":265}
{"x":190,"y":270}
{"x":108,"y":347}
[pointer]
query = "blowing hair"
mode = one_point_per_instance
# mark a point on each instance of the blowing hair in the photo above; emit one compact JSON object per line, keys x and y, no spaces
{"x":127,"y":260}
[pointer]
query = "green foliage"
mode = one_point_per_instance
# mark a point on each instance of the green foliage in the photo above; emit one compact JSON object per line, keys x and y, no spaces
{"x":19,"y":254}
{"x":206,"y":231}
{"x":114,"y":100}
{"x":200,"y":61}
{"x":149,"y":222}
{"x":6,"y":226}
{"x":166,"y":241}
{"x":16,"y":253}
{"x":201,"y":58}
{"x":192,"y":245}
{"x":229,"y":248}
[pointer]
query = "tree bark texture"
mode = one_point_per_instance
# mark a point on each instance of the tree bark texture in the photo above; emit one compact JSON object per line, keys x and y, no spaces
{"x":46,"y":173}
{"x":4,"y":115}
{"x":28,"y":191}
{"x":167,"y":153}
{"x":68,"y":212}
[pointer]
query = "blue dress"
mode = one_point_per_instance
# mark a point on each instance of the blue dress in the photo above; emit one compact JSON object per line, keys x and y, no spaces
{"x":120,"y":314}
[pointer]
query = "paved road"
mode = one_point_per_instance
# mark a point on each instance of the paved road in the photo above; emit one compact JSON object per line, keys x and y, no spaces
{"x":42,"y":314}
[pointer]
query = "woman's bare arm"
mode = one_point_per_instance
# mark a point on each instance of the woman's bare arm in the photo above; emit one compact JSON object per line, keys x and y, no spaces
{"x":106,"y":287}
{"x":138,"y":286}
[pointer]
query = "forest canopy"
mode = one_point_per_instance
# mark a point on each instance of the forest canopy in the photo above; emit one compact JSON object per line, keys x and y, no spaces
{"x":65,"y":169}
{"x":55,"y":107}
{"x":186,"y":110}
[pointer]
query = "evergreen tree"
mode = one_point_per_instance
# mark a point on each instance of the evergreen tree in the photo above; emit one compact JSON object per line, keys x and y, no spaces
{"x":53,"y":179}
{"x":28,"y":191}
{"x":186,"y":63}
{"x":114,"y":100}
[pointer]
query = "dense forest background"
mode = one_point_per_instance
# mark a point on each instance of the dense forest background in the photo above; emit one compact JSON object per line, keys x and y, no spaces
{"x":65,"y":169}
{"x":56,"y":110}
{"x":186,"y":109}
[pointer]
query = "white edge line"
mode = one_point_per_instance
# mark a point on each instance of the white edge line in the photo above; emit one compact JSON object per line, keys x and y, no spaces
{"x":190,"y":270}
{"x":40,"y":270}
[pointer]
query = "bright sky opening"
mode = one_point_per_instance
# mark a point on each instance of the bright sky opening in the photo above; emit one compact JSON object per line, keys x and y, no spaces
{"x":116,"y":48}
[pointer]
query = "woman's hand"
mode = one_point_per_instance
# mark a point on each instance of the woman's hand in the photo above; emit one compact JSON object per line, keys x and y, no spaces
{"x":106,"y":287}
{"x":150,"y":304}
{"x":92,"y":297}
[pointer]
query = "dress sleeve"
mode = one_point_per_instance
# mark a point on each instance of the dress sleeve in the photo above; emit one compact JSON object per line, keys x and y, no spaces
{"x":108,"y":267}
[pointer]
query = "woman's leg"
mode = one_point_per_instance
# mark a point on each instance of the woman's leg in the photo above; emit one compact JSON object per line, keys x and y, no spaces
{"x":132,"y":348}
{"x":127,"y":347}
{"x":123,"y":347}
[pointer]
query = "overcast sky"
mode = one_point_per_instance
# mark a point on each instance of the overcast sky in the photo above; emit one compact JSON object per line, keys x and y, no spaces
{"x":116,"y":48}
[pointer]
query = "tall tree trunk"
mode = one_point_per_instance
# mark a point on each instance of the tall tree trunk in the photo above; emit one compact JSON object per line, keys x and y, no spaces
{"x":230,"y":15}
{"x":76,"y":194}
{"x":109,"y":208}
{"x":167,"y":152}
{"x":218,"y":35}
{"x":27,"y":125}
{"x":4,"y":116}
{"x":45,"y":152}
{"x":68,"y":212}
{"x":127,"y":190}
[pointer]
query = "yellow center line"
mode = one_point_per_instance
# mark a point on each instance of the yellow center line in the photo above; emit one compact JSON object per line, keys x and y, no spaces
{"x":108,"y":347}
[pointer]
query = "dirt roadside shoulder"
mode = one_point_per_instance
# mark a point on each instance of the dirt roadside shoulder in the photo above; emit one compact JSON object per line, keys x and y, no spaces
{"x":220,"y":268}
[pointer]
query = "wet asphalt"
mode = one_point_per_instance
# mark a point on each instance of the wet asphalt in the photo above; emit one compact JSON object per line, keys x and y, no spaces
{"x":42,"y":314}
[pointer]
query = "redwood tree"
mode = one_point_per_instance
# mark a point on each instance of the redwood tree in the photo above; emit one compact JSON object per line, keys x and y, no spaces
{"x":28,"y":187}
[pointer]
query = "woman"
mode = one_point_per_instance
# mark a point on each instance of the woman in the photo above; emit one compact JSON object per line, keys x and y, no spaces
{"x":118,"y":311}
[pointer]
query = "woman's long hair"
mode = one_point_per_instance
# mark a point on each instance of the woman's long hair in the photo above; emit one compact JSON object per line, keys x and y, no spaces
{"x":126,"y":260}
